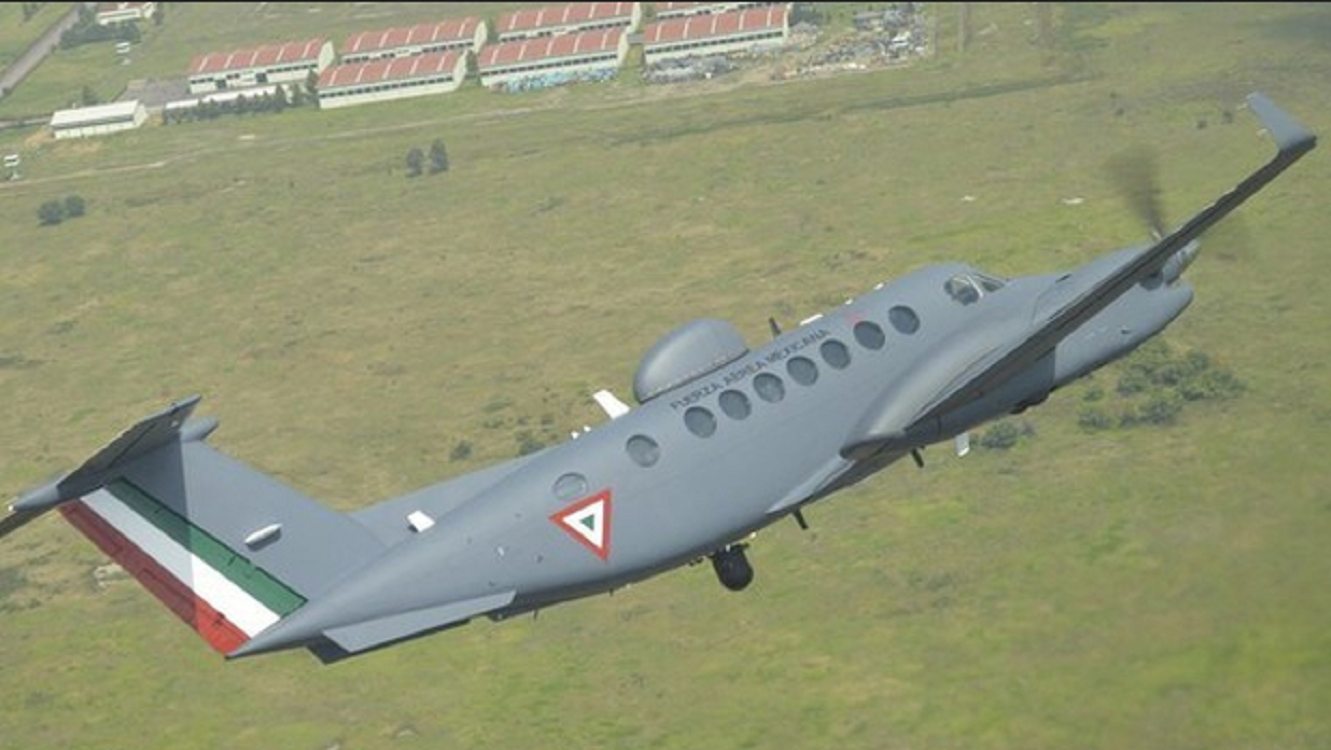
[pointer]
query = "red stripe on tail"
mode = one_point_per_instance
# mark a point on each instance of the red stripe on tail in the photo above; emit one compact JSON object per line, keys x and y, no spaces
{"x":219,"y":632}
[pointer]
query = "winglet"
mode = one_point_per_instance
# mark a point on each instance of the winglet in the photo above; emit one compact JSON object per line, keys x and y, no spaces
{"x":143,"y":438}
{"x":1288,"y":134}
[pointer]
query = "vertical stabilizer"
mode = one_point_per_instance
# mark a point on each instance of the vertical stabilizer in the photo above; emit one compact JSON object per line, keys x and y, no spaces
{"x":228,"y":549}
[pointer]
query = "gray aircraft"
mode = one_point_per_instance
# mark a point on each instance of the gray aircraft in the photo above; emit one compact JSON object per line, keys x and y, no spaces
{"x":724,"y":440}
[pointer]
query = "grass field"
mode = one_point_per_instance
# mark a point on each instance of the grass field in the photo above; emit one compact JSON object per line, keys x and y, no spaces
{"x":1134,"y":588}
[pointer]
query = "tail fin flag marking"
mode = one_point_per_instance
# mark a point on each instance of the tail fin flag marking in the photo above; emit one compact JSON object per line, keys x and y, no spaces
{"x":214,"y":590}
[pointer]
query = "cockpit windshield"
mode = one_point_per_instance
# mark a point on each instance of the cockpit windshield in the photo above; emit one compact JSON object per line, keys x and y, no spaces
{"x":969,"y":288}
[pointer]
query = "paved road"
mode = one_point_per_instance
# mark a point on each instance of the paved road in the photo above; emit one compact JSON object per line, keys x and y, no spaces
{"x":29,"y":60}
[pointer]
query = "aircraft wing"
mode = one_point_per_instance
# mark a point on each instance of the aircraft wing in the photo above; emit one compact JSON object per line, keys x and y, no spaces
{"x":1292,"y":140}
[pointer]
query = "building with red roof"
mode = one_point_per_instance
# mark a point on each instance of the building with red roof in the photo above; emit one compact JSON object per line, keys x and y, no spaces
{"x":741,"y":31}
{"x":571,"y":18}
{"x":589,"y":55}
{"x":385,"y":79}
{"x":286,"y":63}
{"x":463,"y":34}
{"x":662,"y":11}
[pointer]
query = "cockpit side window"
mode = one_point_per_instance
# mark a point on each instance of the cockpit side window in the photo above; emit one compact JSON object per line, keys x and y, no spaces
{"x":962,"y":289}
{"x":968,"y":288}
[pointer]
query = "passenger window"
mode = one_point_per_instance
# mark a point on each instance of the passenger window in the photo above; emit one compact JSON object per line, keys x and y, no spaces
{"x":643,"y":450}
{"x":700,"y":421}
{"x":570,"y":486}
{"x":903,"y":319}
{"x":870,"y":335}
{"x":735,"y":404}
{"x":802,"y":370}
{"x":835,"y":354}
{"x":769,"y":387}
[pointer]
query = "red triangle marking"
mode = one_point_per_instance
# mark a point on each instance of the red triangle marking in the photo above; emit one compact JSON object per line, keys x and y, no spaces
{"x":588,"y":521}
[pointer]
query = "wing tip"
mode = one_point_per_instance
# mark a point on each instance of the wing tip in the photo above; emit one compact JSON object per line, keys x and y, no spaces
{"x":1288,"y":134}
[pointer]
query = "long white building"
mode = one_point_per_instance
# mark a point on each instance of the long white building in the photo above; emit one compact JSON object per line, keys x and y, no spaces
{"x":740,"y":31}
{"x":662,"y":11}
{"x":291,"y":62}
{"x":565,"y":57}
{"x":570,"y":18}
{"x":397,"y":78}
{"x":463,"y":34}
{"x":99,"y":120}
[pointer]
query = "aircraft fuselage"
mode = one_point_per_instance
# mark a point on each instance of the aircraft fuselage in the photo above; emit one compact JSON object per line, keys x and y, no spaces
{"x":706,"y":463}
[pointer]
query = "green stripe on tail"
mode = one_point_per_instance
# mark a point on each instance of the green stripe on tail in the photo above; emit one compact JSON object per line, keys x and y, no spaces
{"x":269,"y":591}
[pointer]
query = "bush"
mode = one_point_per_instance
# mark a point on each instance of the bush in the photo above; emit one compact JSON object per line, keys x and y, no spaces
{"x":55,"y":211}
{"x":88,"y":31}
{"x":1001,"y":436}
{"x":461,"y":451}
{"x":438,"y":157}
{"x":1094,"y":419}
{"x":1161,"y":409}
{"x":1215,"y":384}
{"x":1133,"y":381}
{"x":528,"y":443}
{"x":51,"y":213}
{"x":74,"y":206}
{"x":415,"y":162}
{"x":1155,"y":383}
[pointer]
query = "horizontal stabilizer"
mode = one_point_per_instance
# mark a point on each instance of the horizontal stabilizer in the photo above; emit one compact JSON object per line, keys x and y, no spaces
{"x":143,"y":438}
{"x":364,"y":636}
{"x":17,"y":520}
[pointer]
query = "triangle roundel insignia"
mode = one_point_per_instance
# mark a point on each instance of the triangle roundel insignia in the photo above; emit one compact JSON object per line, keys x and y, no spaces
{"x":588,"y":521}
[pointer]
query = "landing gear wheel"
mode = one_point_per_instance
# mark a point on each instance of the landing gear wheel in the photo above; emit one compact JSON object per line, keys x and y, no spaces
{"x":732,"y":567}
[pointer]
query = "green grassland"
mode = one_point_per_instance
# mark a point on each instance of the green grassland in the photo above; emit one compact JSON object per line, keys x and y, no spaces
{"x":1151,"y":587}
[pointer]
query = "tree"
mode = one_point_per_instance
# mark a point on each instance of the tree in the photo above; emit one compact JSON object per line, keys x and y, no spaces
{"x":415,"y":161}
{"x":1001,"y":436}
{"x":88,"y":96}
{"x":51,"y":213}
{"x":438,"y":157}
{"x":74,"y":206}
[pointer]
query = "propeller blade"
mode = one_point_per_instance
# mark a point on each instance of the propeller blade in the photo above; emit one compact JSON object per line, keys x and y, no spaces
{"x":1135,"y":176}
